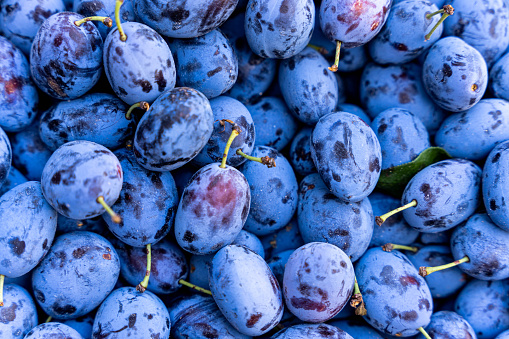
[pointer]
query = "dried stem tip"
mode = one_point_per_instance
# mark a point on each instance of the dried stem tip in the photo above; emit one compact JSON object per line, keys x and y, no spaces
{"x":424,"y":271}
{"x":389,"y":247}
{"x":266,"y":160}
{"x":104,"y":19}
{"x":142,"y":104}
{"x":447,"y":10}
{"x":142,"y":286}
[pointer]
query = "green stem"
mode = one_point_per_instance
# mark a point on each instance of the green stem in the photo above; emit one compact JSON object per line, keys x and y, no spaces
{"x":447,"y":10}
{"x":118,"y":4}
{"x":266,"y":160}
{"x":424,"y":333}
{"x":235,"y":132}
{"x":194,"y":287}
{"x":334,"y":68}
{"x":390,"y":246}
{"x":381,"y":219}
{"x":104,"y":19}
{"x":357,"y":302}
{"x":114,"y":216}
{"x":48,"y":319}
{"x":2,"y":278}
{"x":144,"y":284}
{"x":319,"y":49}
{"x":424,"y":271}
{"x":142,"y":104}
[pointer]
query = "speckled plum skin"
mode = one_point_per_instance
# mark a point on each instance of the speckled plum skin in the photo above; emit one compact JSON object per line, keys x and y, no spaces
{"x":29,"y":152}
{"x":76,"y":174}
{"x":287,"y":238}
{"x":86,"y":264}
{"x":66,"y":60}
{"x":206,"y":63}
{"x":199,"y":317}
{"x":245,"y":290}
{"x":53,"y":330}
{"x":454,"y":74}
{"x":397,"y":298}
{"x":384,"y":87}
{"x":20,"y":20}
{"x":128,"y":313}
{"x":5,"y":156}
{"x":97,"y":117}
{"x":402,"y":38}
{"x":483,"y":25}
{"x":437,"y":255}
{"x":18,"y":315}
{"x":347,"y":155}
{"x":495,"y":185}
{"x":279,"y":29}
{"x":250,"y":241}
{"x":484,"y":305}
{"x":499,"y":77}
{"x":318,"y":281}
{"x":212,"y":209}
{"x":353,"y":22}
{"x":402,"y":136}
{"x":199,"y":270}
{"x":225,"y":107}
{"x":311,"y":331}
{"x":485,"y":245}
{"x":273,"y":192}
{"x":28,"y":228}
{"x":19,"y":99}
{"x":83,"y":325}
{"x":324,"y":217}
{"x":184,"y":18}
{"x":174,"y":130}
{"x":395,"y":229}
{"x":474,"y":133}
{"x":310,"y":90}
{"x":300,"y":152}
{"x":447,"y":193}
{"x":448,"y":325}
{"x":169,"y":265}
{"x":147,"y":203}
{"x":142,"y":67}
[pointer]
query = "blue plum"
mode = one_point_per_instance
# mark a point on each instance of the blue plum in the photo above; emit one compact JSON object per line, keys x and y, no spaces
{"x":77,"y":174}
{"x":96,"y":225}
{"x":347,"y":155}
{"x":354,"y":109}
{"x":448,"y":325}
{"x":245,"y":290}
{"x":53,"y":330}
{"x":250,"y":241}
{"x":28,"y":227}
{"x":324,"y":217}
{"x":318,"y":281}
{"x":397,"y":298}
{"x":14,"y":179}
{"x":19,"y":99}
{"x":273,"y":192}
{"x":138,"y":73}
{"x":5,"y":156}
{"x":454,"y":74}
{"x":311,"y":331}
{"x":126,"y":312}
{"x":357,"y":328}
{"x":503,"y":335}
{"x":199,"y":270}
{"x":447,"y":193}
{"x":18,"y":314}
{"x":79,"y":271}
{"x":94,"y":117}
{"x":300,"y":152}
{"x":66,"y":60}
{"x":174,"y":130}
{"x":83,"y":325}
{"x":495,"y":186}
{"x":287,"y":238}
{"x":277,"y":264}
{"x":310,"y":90}
{"x":402,"y":136}
{"x":207,"y":63}
{"x":499,"y":79}
{"x":280,"y":28}
{"x":473,"y":134}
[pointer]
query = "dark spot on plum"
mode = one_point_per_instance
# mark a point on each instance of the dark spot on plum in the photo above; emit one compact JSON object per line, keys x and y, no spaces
{"x":132,"y":320}
{"x":189,"y":237}
{"x":446,"y":69}
{"x":493,"y":205}
{"x":17,"y":246}
{"x":308,"y":304}
{"x":338,"y":232}
{"x":340,"y":150}
{"x":8,"y":314}
{"x":382,"y":128}
{"x":160,"y":81}
{"x":409,"y":315}
{"x":119,"y":50}
{"x":424,"y":303}
{"x":336,"y":177}
{"x":253,"y":319}
{"x":374,"y":165}
{"x":409,"y":280}
{"x":63,"y":310}
{"x":45,"y":244}
{"x":214,"y":71}
{"x":291,"y":64}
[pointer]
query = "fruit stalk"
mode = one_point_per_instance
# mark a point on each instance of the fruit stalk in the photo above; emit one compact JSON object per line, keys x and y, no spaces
{"x":424,"y":271}
{"x":357,"y":302}
{"x":118,"y":4}
{"x":104,"y":19}
{"x":142,"y":104}
{"x":142,"y":286}
{"x":447,"y":10}
{"x":235,"y":132}
{"x":114,"y":216}
{"x":389,"y":247}
{"x":194,"y":287}
{"x":266,"y":160}
{"x":2,"y":278}
{"x":381,"y":219}
{"x":424,"y":333}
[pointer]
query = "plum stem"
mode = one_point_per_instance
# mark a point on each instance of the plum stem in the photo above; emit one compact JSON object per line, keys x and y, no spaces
{"x":319,"y":49}
{"x":118,"y":4}
{"x":144,"y":284}
{"x":194,"y":287}
{"x":235,"y":132}
{"x":424,"y":333}
{"x":266,"y":160}
{"x":114,"y":216}
{"x":390,"y":246}
{"x":104,"y":19}
{"x":381,"y":219}
{"x":424,"y":271}
{"x":334,"y":68}
{"x":2,"y":278}
{"x":48,"y":319}
{"x":142,"y":104}
{"x":357,"y":302}
{"x":447,"y":10}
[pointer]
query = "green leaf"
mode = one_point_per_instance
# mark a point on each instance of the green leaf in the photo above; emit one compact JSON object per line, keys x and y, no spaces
{"x":393,"y":180}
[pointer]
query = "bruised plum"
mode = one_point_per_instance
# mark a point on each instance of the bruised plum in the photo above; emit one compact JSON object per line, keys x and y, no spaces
{"x":318,"y":281}
{"x":212,"y":209}
{"x":397,"y":298}
{"x":18,"y":315}
{"x":245,"y":290}
{"x":174,"y":130}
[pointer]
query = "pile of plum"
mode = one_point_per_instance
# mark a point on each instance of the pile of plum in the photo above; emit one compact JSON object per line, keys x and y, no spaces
{"x":213,"y":169}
